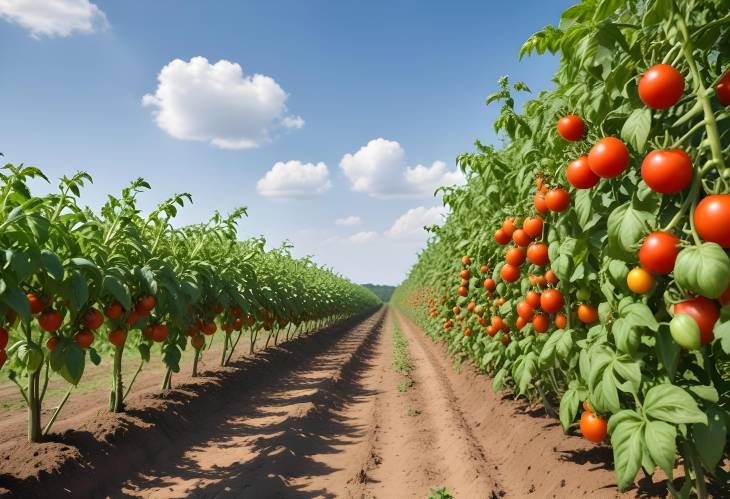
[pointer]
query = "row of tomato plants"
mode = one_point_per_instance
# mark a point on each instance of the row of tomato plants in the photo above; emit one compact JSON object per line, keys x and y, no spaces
{"x":78,"y":285}
{"x":586,"y":261}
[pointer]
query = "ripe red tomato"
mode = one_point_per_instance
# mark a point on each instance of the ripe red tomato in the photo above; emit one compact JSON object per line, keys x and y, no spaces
{"x":37,"y":304}
{"x":661,"y":86}
{"x":501,"y":237}
{"x":557,"y":199}
{"x":537,"y":254}
{"x":3,"y":358}
{"x":525,"y":311}
{"x":497,"y":322}
{"x":520,"y":237}
{"x":210,"y":328}
{"x":580,"y":175}
{"x":93,"y":319}
{"x":84,"y":338}
{"x":521,"y":322}
{"x":551,"y":278}
{"x":505,"y":339}
{"x":4,"y":337}
{"x":593,"y":427}
{"x":540,"y":323}
{"x":551,"y":300}
{"x":658,"y":252}
{"x":533,"y":299}
{"x":587,"y":314}
{"x":667,"y":171}
{"x":148,"y":302}
{"x":608,"y":158}
{"x":114,"y":310}
{"x":463,"y":291}
{"x":540,"y":204}
{"x":50,"y":320}
{"x":509,"y":226}
{"x":711,"y":219}
{"x":466,"y":260}
{"x":509,"y":273}
{"x":467,"y":332}
{"x":515,"y":256}
{"x":704,"y":311}
{"x":722,"y":90}
{"x":52,"y":342}
{"x":571,"y":127}
{"x":484,"y":269}
{"x":561,"y":321}
{"x":159,"y":333}
{"x":489,"y":284}
{"x":198,"y":341}
{"x":533,"y":226}
{"x":465,"y":274}
{"x":491,"y":330}
{"x":117,"y":337}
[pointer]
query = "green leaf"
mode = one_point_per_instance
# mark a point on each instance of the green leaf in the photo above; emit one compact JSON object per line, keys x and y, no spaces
{"x":115,"y":287}
{"x":568,"y":408}
{"x":704,"y":269}
{"x":626,"y":227}
{"x":661,"y":441}
{"x":68,"y":360}
{"x":144,"y":351}
{"x":711,"y":437}
{"x":52,"y":264}
{"x":636,"y":128}
{"x":639,"y":314}
{"x":627,"y":338}
{"x":672,"y":404}
{"x":657,"y":11}
{"x":626,"y":429}
{"x":18,"y":301}
{"x":94,"y":356}
{"x":667,"y":351}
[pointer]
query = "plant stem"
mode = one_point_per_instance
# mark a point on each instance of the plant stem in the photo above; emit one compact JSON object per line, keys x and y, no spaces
{"x":57,"y":411}
{"x":134,"y":378}
{"x":195,"y":362}
{"x":118,"y":389}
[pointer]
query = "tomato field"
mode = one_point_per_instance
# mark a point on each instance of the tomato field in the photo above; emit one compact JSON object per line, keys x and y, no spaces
{"x":585,"y":264}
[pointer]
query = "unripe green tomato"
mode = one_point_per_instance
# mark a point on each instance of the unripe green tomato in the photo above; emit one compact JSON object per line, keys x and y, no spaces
{"x":685,"y":331}
{"x":583,"y":294}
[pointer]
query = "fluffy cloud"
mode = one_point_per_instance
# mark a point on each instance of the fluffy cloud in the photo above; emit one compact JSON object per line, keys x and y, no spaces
{"x":379,"y":169}
{"x":351,"y":220}
{"x":197,"y":100}
{"x":294,"y":179}
{"x":53,"y":17}
{"x":363,"y":237}
{"x":410,"y":224}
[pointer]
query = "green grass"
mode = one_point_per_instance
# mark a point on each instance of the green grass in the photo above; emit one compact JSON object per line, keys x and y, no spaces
{"x":442,"y":493}
{"x":401,"y":359}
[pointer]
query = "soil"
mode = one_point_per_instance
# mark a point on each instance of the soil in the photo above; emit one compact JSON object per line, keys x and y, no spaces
{"x":326,"y":415}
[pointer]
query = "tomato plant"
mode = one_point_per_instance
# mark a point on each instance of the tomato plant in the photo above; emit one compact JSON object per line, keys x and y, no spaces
{"x":64,"y":264}
{"x":639,"y":258}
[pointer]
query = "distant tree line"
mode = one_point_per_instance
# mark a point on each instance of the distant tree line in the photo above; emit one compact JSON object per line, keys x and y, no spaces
{"x":381,"y":291}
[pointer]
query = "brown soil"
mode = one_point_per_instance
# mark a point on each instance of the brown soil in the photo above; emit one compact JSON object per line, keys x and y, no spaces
{"x":321,"y":416}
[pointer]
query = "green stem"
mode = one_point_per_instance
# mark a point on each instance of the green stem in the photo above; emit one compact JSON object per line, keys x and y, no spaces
{"x":195,"y":362}
{"x":699,"y":475}
{"x":226,"y":335}
{"x":34,"y":408}
{"x":117,"y":385}
{"x":167,"y":380}
{"x":235,"y":344}
{"x":134,"y":378}
{"x":57,"y":411}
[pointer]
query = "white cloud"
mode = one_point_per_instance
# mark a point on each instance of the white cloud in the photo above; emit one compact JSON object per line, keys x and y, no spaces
{"x":53,"y":17}
{"x":351,"y":220}
{"x":410,"y":224}
{"x":294,"y":179}
{"x":379,"y":169}
{"x":200,"y":101}
{"x":363,"y":237}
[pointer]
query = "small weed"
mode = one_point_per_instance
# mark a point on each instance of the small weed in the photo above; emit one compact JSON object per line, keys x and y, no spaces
{"x":441,"y":493}
{"x":401,"y":360}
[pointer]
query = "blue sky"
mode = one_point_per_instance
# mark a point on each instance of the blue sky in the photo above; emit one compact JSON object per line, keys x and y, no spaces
{"x":338,"y":75}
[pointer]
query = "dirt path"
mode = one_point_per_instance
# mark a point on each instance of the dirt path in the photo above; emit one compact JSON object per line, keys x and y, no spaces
{"x":323,"y":416}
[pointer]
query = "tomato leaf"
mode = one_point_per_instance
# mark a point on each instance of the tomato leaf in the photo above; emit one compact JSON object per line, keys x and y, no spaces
{"x":703,"y":269}
{"x":670,"y":403}
{"x":636,"y":128}
{"x":626,"y":227}
{"x":710,"y":438}
{"x":627,"y":435}
{"x":660,"y":438}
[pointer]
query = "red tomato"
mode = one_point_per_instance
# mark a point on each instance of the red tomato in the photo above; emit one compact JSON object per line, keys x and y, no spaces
{"x":722,"y":90}
{"x":540,"y":323}
{"x":533,"y":226}
{"x":497,"y":323}
{"x":561,"y":321}
{"x":509,"y":273}
{"x":501,"y":237}
{"x":466,"y":260}
{"x":520,"y":237}
{"x":3,"y":358}
{"x":551,"y":300}
{"x":580,"y":175}
{"x":505,"y":339}
{"x":608,"y":158}
{"x":661,"y":86}
{"x":515,"y":256}
{"x":571,"y":127}
{"x":159,"y":333}
{"x":210,"y":328}
{"x":551,"y":277}
{"x":520,"y":322}
{"x":587,"y":313}
{"x":489,"y":284}
{"x":533,"y":299}
{"x":711,"y":219}
{"x":4,"y":337}
{"x":509,"y":226}
{"x":537,"y":254}
{"x":50,"y":320}
{"x":37,"y":304}
{"x":463,"y":291}
{"x":52,"y":342}
{"x":84,"y":338}
{"x":704,"y":311}
{"x":114,"y":310}
{"x":667,"y":171}
{"x":557,"y":199}
{"x":540,"y":204}
{"x":117,"y":337}
{"x":465,"y":274}
{"x":658,"y":252}
{"x":93,"y":319}
{"x":197,"y":341}
{"x":148,"y":302}
{"x":593,"y":427}
{"x":725,"y":297}
{"x":484,"y":269}
{"x":525,"y":311}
